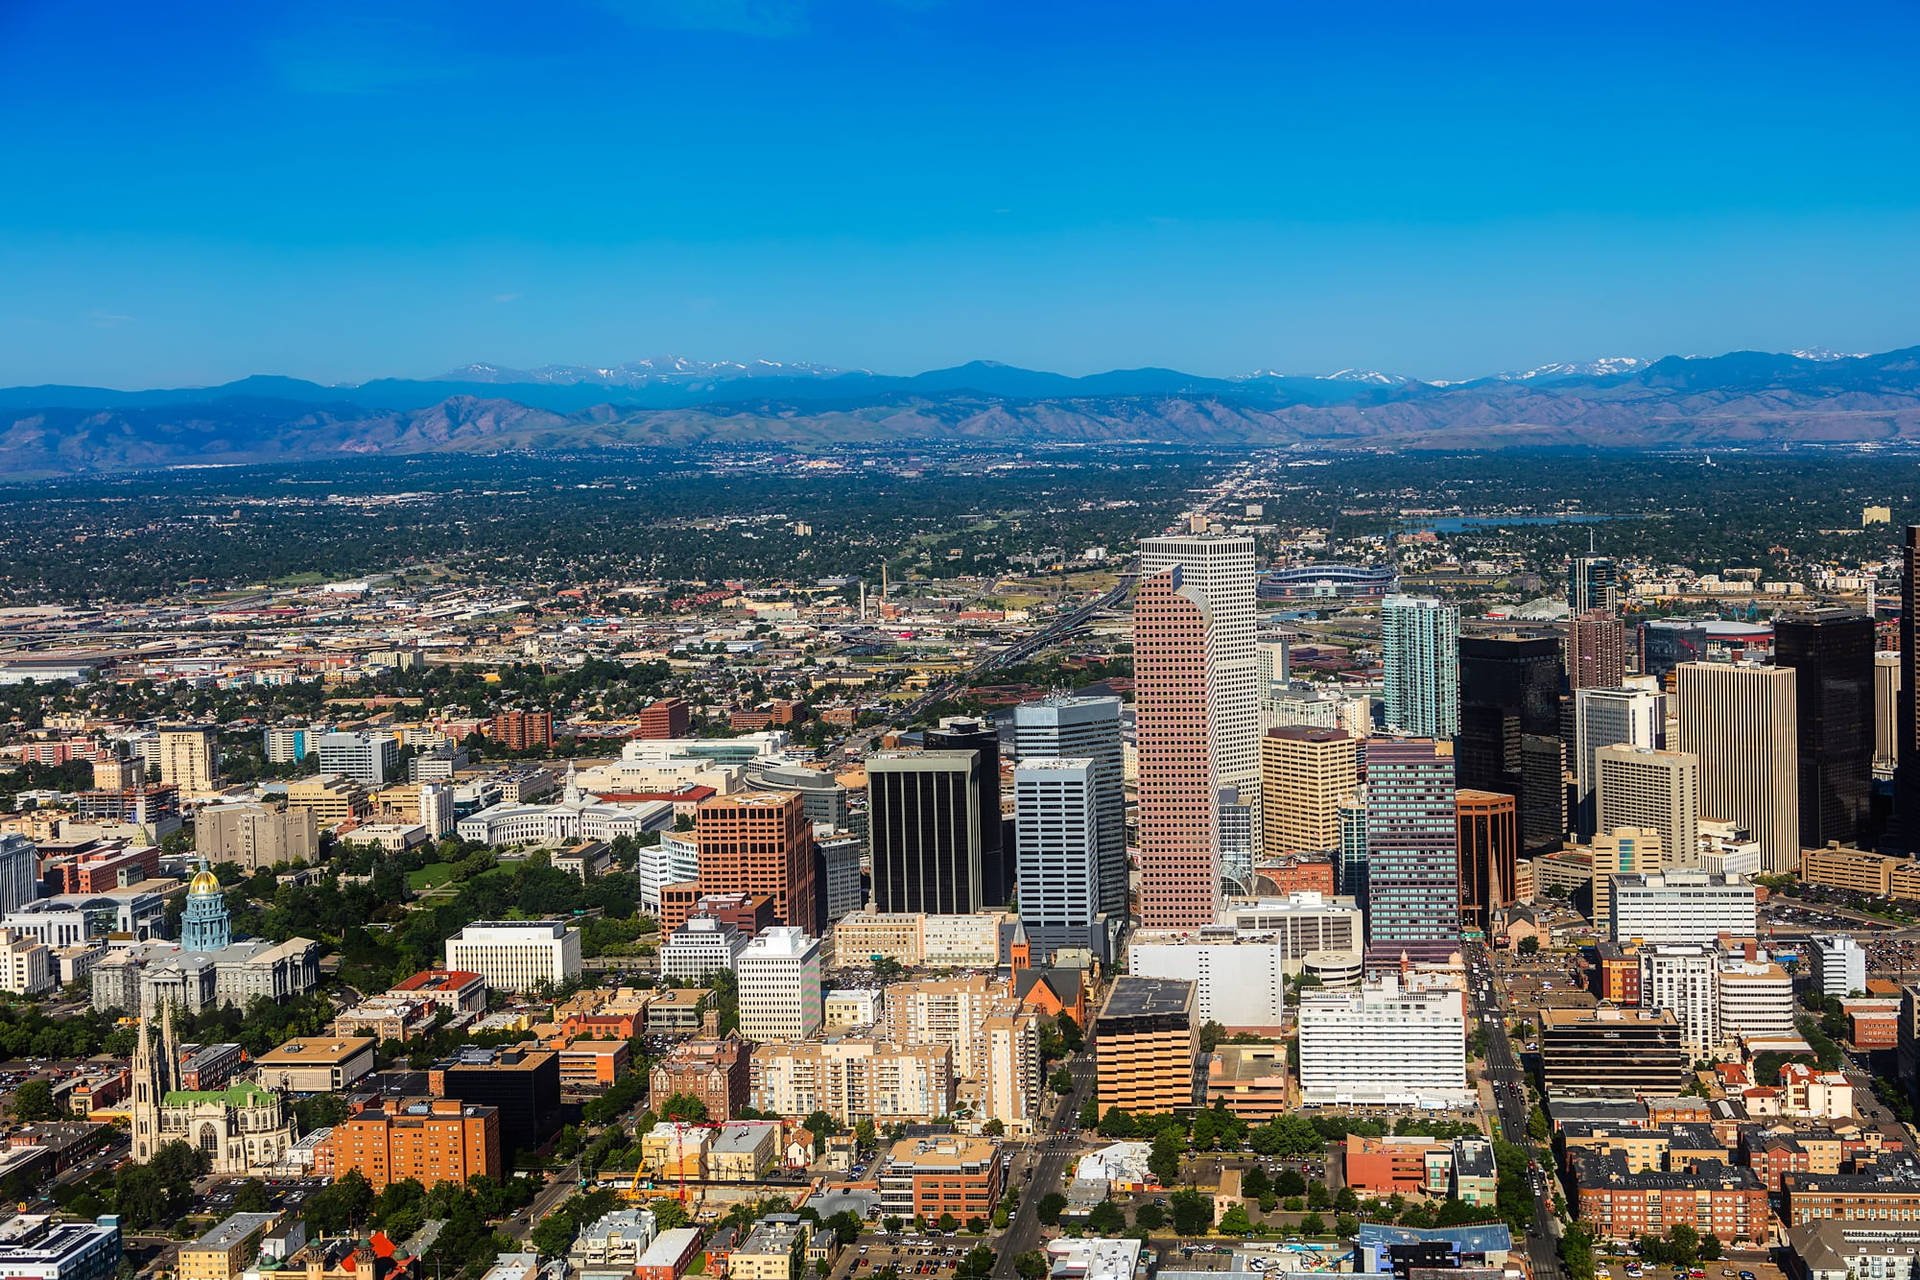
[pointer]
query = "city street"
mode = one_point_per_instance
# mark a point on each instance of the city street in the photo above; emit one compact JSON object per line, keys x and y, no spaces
{"x":1509,"y":1082}
{"x":1053,"y":1153}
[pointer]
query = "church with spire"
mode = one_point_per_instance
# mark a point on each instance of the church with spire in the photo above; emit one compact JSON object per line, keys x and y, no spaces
{"x":242,"y":1127}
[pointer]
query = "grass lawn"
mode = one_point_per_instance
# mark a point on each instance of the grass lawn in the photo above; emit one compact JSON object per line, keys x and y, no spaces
{"x":431,"y":876}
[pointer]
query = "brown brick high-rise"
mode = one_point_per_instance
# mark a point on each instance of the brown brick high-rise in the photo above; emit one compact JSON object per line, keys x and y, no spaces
{"x":756,"y":842}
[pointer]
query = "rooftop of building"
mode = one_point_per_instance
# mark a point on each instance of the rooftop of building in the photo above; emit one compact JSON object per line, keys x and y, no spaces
{"x":235,"y":1230}
{"x":1604,"y":1016}
{"x":428,"y":980}
{"x":1134,"y":997}
{"x":302,"y":1050}
{"x":1832,"y":1244}
{"x":950,"y":1151}
{"x":1593,"y":1168}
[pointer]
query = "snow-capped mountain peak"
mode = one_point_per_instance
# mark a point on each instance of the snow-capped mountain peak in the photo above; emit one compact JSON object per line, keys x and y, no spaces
{"x":1604,"y":367}
{"x":639,"y":373}
{"x":1372,"y":377}
{"x":1828,"y":353}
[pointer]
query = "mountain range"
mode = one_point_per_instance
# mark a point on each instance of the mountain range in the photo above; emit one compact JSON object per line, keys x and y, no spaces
{"x":1743,"y":399}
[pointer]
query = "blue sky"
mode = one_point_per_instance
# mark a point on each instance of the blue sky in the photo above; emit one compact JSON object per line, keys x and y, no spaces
{"x":193,"y":192}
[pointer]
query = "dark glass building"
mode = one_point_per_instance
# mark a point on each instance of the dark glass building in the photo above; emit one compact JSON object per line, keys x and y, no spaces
{"x":1666,"y":643}
{"x":923,"y":829}
{"x":524,"y":1084}
{"x":1831,"y":653}
{"x":1509,"y":739}
{"x":958,"y":733}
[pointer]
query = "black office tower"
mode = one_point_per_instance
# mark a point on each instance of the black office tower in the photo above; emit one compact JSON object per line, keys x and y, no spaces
{"x":923,"y":831}
{"x":1831,"y":653}
{"x":961,"y":733}
{"x":1509,"y":738}
{"x":1906,"y":770}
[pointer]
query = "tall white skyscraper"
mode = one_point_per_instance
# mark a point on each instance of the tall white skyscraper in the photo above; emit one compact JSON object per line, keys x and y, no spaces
{"x":1086,"y":728}
{"x":1420,"y":660}
{"x":1057,"y":839}
{"x":1197,"y":622}
{"x":1743,"y":723}
{"x":1603,"y":717}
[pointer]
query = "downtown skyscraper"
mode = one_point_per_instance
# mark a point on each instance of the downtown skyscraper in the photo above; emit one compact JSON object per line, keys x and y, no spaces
{"x":1413,"y":850}
{"x":1509,"y":734}
{"x":1086,"y":728}
{"x":1420,"y":666}
{"x":1196,"y":696}
{"x":1831,"y":654}
{"x":1740,"y":722}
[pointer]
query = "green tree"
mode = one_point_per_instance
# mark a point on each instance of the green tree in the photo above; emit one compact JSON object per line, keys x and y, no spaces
{"x":34,"y":1101}
{"x":252,"y":1197}
{"x":1090,"y":1114}
{"x":1255,"y":1182}
{"x":687,"y":1109}
{"x":1031,"y":1265}
{"x":1234,"y":1222}
{"x":1061,"y":1081}
{"x":1192,"y":1211}
{"x":1117,"y":1124}
{"x":1529,"y":946}
{"x":1312,"y":1225}
{"x":978,"y":1264}
{"x":1106,"y":1219}
{"x":1317,"y":1197}
{"x":1683,"y":1244}
{"x":1149,"y":1217}
{"x":1539,"y":1127}
{"x":1290,"y":1182}
{"x":1711,"y":1250}
{"x":1346,"y":1226}
{"x":1164,"y":1160}
{"x":1051,"y":1206}
{"x":1346,"y":1201}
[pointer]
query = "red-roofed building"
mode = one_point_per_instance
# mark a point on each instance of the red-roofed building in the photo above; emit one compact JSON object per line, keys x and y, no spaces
{"x":455,"y":990}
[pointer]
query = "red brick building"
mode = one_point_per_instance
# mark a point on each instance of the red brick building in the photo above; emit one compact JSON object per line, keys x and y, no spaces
{"x":716,"y":1071}
{"x":1727,"y":1200}
{"x":521,"y":730}
{"x":666,"y":718}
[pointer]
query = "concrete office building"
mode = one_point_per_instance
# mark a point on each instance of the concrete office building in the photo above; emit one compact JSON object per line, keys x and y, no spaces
{"x":1382,"y":1045}
{"x":1623,"y":851}
{"x":675,"y":860}
{"x":924,"y":830}
{"x":1839,"y":966}
{"x":1681,"y":906}
{"x":1413,"y":863}
{"x":1420,"y":660}
{"x":1683,"y":978}
{"x":189,"y":756}
{"x":1148,"y":1047}
{"x":1057,"y":835}
{"x":1238,"y":982}
{"x":1596,"y":650}
{"x":1830,"y":652}
{"x":1886,"y":712}
{"x":1304,"y":775}
{"x":756,"y":842}
{"x":1086,"y":729}
{"x":1646,"y":790}
{"x":256,"y":835}
{"x":1756,"y":998}
{"x":1741,"y":723}
{"x":372,"y":759}
{"x":780,"y":986}
{"x":517,"y":955}
{"x":1196,"y":694}
{"x":1605,"y":717}
{"x":701,"y":946}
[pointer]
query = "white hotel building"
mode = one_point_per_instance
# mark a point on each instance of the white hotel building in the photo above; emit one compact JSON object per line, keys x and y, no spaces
{"x":516,"y":955}
{"x":1383,"y":1046}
